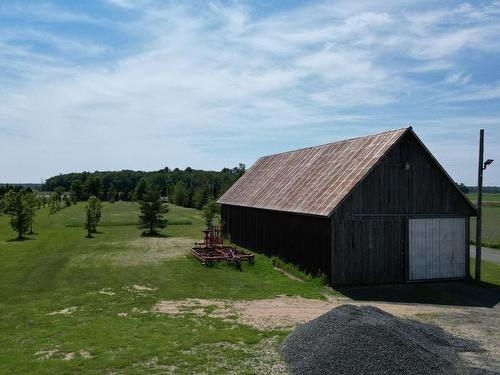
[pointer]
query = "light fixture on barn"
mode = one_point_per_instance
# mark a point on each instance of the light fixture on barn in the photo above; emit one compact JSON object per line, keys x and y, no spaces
{"x":407,"y":166}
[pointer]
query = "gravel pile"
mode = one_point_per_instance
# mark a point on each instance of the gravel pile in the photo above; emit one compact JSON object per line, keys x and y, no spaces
{"x":366,"y":340}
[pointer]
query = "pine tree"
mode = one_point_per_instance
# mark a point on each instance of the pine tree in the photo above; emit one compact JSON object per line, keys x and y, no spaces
{"x":140,"y":189}
{"x":152,"y":211}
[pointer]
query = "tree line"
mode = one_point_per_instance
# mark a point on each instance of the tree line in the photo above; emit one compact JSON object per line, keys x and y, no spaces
{"x":188,"y":187}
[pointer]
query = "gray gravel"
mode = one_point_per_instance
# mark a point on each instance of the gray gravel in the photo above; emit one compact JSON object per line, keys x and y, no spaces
{"x":366,"y":340}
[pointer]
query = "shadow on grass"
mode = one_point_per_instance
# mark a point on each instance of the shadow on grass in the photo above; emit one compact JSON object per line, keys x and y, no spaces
{"x":456,"y":293}
{"x":155,"y":235}
{"x":20,"y":239}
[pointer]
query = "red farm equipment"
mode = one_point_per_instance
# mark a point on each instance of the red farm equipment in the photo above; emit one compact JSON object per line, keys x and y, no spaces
{"x":212,"y":249}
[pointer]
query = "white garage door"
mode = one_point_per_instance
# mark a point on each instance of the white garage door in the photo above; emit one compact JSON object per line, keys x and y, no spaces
{"x":437,"y":248}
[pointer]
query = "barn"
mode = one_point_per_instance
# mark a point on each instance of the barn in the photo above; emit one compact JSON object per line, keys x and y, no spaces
{"x":374,"y":209}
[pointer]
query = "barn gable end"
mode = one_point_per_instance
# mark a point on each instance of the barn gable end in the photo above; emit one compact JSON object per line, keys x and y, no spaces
{"x":370,"y":227}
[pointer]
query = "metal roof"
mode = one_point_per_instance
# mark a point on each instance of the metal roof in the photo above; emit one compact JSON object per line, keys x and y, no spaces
{"x":312,"y":180}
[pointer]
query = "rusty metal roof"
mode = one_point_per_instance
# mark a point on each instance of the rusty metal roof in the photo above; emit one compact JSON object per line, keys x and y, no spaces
{"x":312,"y":180}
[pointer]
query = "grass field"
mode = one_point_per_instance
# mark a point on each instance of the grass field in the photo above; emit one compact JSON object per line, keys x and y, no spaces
{"x":67,"y":297}
{"x":491,"y":220}
{"x":490,"y":272}
{"x":69,"y":304}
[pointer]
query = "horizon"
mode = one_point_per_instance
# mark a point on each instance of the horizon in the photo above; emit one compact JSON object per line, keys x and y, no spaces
{"x":140,"y":84}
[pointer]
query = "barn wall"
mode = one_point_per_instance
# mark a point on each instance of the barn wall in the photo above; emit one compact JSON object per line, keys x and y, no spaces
{"x":299,"y":239}
{"x":369,"y":229}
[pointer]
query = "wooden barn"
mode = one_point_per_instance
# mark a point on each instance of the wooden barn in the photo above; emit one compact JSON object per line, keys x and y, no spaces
{"x":374,"y":209}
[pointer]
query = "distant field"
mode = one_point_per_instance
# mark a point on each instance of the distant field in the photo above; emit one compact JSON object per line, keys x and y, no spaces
{"x":491,"y":220}
{"x":487,"y":198}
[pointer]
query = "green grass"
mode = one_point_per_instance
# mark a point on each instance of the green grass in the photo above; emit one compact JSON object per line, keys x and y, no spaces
{"x":488,"y":198}
{"x":491,"y":220}
{"x":59,"y":268}
{"x":490,"y":272}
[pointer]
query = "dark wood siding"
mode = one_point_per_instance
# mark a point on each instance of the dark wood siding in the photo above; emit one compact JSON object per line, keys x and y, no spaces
{"x":369,"y":229}
{"x":368,"y":250}
{"x":299,"y":239}
{"x":422,"y":189}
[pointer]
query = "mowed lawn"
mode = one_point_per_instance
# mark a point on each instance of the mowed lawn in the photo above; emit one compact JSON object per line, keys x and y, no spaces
{"x":491,"y":220}
{"x":70,"y":305}
{"x":75,"y":305}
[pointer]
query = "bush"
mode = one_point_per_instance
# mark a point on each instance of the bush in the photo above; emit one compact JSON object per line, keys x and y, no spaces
{"x":209,"y":211}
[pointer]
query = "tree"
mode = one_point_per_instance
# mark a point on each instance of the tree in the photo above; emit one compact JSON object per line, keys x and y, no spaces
{"x":209,"y":211}
{"x":59,"y":192}
{"x":93,"y":186}
{"x":76,"y":191}
{"x":93,"y":215}
{"x":463,"y":188}
{"x":54,"y":204}
{"x":32,"y":203}
{"x":140,"y":189}
{"x":180,"y":194}
{"x":17,"y":206}
{"x":112,"y":195}
{"x":152,"y":211}
{"x":200,"y":196}
{"x":66,"y":200}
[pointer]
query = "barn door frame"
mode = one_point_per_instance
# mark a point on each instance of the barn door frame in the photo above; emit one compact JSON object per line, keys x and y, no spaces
{"x":407,"y":247}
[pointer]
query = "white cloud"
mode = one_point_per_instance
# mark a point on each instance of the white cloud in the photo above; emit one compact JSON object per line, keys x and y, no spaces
{"x":476,"y":93}
{"x":460,"y":78}
{"x":204,"y":76}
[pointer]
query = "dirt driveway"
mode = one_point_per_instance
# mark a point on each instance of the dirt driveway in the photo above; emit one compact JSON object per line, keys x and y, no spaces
{"x":463,"y":309}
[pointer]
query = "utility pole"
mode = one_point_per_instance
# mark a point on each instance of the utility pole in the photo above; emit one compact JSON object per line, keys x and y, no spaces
{"x":481,"y":167}
{"x":479,"y":205}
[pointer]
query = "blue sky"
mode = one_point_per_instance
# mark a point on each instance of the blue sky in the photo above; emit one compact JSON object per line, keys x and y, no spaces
{"x":144,"y":84}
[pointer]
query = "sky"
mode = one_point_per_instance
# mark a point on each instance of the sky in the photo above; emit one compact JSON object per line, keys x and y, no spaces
{"x":144,"y":84}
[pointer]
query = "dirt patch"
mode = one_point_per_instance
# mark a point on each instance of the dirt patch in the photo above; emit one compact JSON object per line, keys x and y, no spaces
{"x":107,"y":291}
{"x":139,"y":311}
{"x":66,"y":311}
{"x":139,"y":251}
{"x":142,"y":288}
{"x":153,"y":364}
{"x":43,"y":355}
{"x":69,"y":356}
{"x":202,"y":307}
{"x":279,"y":312}
{"x":85,"y":354}
{"x":57,"y":353}
{"x":478,"y":324}
{"x":262,"y":358}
